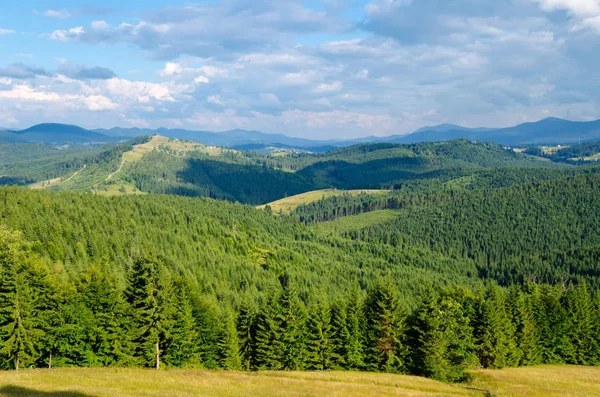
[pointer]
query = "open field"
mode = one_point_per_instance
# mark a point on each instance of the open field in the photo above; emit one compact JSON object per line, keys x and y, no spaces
{"x":288,"y":204}
{"x":118,"y":189}
{"x":540,"y":381}
{"x":177,"y":146}
{"x":118,"y":382}
{"x":356,"y":222}
{"x":108,"y":382}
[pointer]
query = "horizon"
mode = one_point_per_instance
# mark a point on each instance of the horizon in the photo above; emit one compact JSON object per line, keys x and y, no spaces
{"x":423,"y":128}
{"x":319,"y":70}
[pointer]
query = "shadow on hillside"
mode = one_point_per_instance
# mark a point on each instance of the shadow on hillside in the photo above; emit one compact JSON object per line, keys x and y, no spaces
{"x":14,"y":391}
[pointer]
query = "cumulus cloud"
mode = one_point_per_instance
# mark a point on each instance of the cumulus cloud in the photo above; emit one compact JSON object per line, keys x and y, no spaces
{"x":585,"y":13}
{"x":307,"y":69}
{"x":211,"y":29}
{"x":59,"y":14}
{"x":22,"y":71}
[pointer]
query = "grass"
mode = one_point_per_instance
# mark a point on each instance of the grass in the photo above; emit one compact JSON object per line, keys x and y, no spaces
{"x":116,"y":382}
{"x":120,"y":382}
{"x":117,"y":190}
{"x":288,"y":204}
{"x":540,"y":381}
{"x":356,"y":222}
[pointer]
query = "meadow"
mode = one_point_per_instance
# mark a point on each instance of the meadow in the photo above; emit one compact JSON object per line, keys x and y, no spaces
{"x":288,"y":204}
{"x":121,"y":382}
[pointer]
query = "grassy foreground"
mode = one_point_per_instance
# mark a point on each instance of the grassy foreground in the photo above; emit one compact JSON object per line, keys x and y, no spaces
{"x":118,"y":382}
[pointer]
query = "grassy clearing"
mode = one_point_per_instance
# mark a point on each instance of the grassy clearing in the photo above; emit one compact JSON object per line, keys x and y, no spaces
{"x":109,"y":382}
{"x":117,"y":190}
{"x":119,"y":382}
{"x":540,"y":381}
{"x":175,"y":146}
{"x":356,"y":222}
{"x":288,"y":204}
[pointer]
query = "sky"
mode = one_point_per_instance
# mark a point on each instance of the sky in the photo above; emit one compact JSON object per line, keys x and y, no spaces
{"x":320,"y":69}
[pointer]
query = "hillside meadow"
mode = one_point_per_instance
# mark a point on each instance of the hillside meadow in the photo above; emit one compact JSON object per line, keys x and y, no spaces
{"x":127,"y":382}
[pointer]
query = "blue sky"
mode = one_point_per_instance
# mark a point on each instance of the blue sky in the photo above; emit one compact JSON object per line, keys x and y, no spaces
{"x":315,"y":69}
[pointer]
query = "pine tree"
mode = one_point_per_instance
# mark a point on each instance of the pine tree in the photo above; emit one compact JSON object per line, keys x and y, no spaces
{"x":182,"y":349}
{"x":149,"y":294}
{"x":494,"y":330}
{"x":246,"y":327}
{"x":526,"y":331}
{"x":581,"y":323}
{"x":443,"y":342}
{"x":385,"y":329}
{"x":355,"y":352}
{"x":229,"y":347}
{"x":292,"y":321}
{"x":23,"y":281}
{"x":320,"y":344}
{"x":98,"y":291}
{"x":268,"y":354}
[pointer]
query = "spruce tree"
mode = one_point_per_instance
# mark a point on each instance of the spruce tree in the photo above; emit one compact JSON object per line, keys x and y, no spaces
{"x":320,"y":344}
{"x":385,"y":329}
{"x":268,"y":352}
{"x":581,"y":323}
{"x":182,"y":349}
{"x":229,"y":347}
{"x":23,"y":283}
{"x":443,"y":342}
{"x":292,"y":322}
{"x":494,"y":330}
{"x":246,"y":327}
{"x":150,"y":295}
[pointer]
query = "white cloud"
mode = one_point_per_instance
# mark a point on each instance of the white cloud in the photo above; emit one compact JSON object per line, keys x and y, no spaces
{"x":586,"y":13}
{"x":6,"y":31}
{"x":171,"y":69}
{"x":100,"y":25}
{"x":67,"y":35}
{"x":59,"y":14}
{"x":333,"y":87}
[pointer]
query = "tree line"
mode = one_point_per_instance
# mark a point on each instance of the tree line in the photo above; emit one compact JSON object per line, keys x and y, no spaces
{"x":160,"y":318}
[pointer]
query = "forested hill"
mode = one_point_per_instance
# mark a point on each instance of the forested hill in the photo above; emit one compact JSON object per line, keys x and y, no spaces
{"x":161,"y":165}
{"x":99,"y":281}
{"x":543,"y":230}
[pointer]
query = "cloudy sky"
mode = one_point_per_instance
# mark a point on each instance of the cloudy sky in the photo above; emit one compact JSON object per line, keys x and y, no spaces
{"x":316,"y":69}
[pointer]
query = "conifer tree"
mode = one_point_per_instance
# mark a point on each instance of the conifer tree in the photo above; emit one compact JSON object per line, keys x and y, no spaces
{"x":149,"y":293}
{"x":229,"y":348}
{"x":182,"y":349}
{"x":340,"y":334}
{"x":581,"y":323}
{"x":494,"y":330}
{"x":355,"y":322}
{"x":23,"y":281}
{"x":268,"y":352}
{"x":443,"y":342}
{"x":385,"y":329}
{"x":246,"y":327}
{"x":320,"y":344}
{"x":523,"y":317}
{"x":292,"y":322}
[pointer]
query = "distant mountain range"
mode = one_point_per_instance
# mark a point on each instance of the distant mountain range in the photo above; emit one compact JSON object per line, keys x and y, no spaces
{"x":550,"y":131}
{"x":55,"y":134}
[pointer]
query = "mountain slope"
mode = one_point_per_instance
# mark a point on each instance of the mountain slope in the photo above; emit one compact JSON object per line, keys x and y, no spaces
{"x":548,"y":131}
{"x":54,"y":134}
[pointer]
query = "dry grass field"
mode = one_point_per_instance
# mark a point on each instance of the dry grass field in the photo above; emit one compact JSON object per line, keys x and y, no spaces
{"x":109,"y":382}
{"x":118,"y":382}
{"x":288,"y":204}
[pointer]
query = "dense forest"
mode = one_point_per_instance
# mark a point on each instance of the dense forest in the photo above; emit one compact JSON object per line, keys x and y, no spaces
{"x":484,"y":258}
{"x":159,"y":316}
{"x":253,"y":178}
